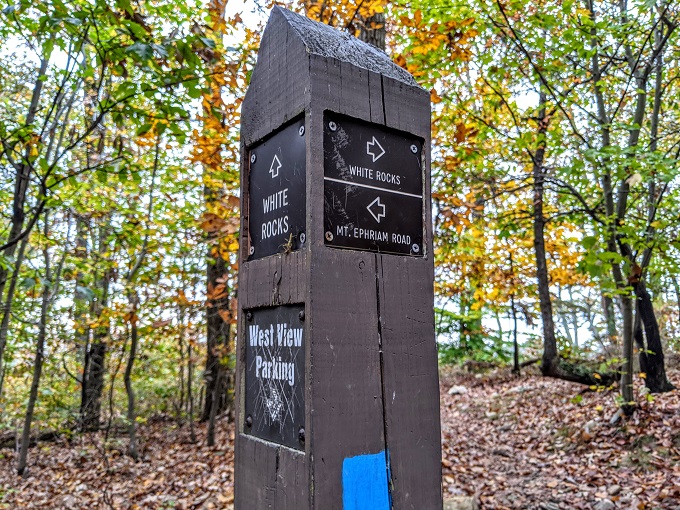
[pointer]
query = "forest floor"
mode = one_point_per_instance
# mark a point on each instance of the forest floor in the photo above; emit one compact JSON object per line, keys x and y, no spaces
{"x":535,"y":443}
{"x":510,"y":442}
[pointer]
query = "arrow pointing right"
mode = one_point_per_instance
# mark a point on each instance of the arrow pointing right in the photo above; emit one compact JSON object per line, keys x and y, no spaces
{"x":370,"y":147}
{"x":380,"y":213}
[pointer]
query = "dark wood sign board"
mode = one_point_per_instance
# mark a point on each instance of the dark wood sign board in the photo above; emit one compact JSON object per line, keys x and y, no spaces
{"x":373,"y":187}
{"x":370,"y":392}
{"x":275,"y":375}
{"x":277,"y":192}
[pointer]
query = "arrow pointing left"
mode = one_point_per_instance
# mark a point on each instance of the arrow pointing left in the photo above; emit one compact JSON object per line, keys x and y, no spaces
{"x":276,"y":165}
{"x":379,"y":211}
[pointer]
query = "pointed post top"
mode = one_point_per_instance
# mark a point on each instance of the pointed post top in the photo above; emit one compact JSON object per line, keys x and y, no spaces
{"x":326,"y":41}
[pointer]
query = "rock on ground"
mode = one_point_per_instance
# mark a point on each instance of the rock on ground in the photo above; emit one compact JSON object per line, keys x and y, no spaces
{"x":460,"y":503}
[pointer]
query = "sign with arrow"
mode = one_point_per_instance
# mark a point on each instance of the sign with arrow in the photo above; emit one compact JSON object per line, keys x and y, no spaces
{"x":373,"y":187}
{"x":276,"y":205}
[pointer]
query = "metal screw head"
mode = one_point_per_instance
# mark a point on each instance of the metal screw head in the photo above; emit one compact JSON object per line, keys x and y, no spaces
{"x":414,"y":149}
{"x":415,"y":248}
{"x":301,"y":315}
{"x":302,"y":238}
{"x":249,"y":316}
{"x":301,"y":434}
{"x":249,"y":421}
{"x":301,"y":130}
{"x":253,"y":157}
{"x":329,"y":236}
{"x":252,"y":250}
{"x":332,"y":125}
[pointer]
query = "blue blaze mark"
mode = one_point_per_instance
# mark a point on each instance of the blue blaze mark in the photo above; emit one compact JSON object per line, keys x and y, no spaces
{"x":364,"y":483}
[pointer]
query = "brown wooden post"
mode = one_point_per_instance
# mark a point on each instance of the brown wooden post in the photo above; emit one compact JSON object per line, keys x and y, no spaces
{"x":337,"y":382}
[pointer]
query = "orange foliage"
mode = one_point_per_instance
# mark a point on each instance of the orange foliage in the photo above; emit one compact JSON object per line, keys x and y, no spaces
{"x":215,"y":144}
{"x":343,"y":14}
{"x":441,"y":40}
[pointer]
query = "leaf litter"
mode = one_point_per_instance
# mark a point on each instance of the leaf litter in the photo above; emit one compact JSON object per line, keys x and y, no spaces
{"x":531,"y":442}
{"x":510,"y":442}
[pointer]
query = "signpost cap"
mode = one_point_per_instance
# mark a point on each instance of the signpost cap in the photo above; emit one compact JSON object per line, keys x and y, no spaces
{"x":326,"y":41}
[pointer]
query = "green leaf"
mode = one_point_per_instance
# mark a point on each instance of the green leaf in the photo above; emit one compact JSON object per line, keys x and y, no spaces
{"x":136,"y":29}
{"x":143,"y":129}
{"x":84,"y":293}
{"x":28,"y":283}
{"x":588,"y":242}
{"x":124,"y":5}
{"x":143,"y":51}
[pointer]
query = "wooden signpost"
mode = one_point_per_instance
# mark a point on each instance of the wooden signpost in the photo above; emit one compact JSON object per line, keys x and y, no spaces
{"x":337,"y":385}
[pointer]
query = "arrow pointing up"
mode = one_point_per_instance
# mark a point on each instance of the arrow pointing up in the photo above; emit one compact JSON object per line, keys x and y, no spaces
{"x":369,"y":150}
{"x":274,"y":169}
{"x":381,"y":209}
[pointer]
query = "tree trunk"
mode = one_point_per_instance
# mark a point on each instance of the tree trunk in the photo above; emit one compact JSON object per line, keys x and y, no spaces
{"x":91,"y":405}
{"x":616,"y":211}
{"x":21,"y":184}
{"x":94,"y":366}
{"x":550,"y":361}
{"x":373,"y":30}
{"x":81,"y":328}
{"x":676,"y":286}
{"x":574,"y":316}
{"x":133,"y":306}
{"x":213,"y":410}
{"x":179,"y":406}
{"x":627,"y":395}
{"x":190,"y":396}
{"x":651,"y":354}
{"x":562,"y":314}
{"x":37,"y":367}
{"x":218,"y":334}
{"x":133,"y":301}
{"x":218,"y":339}
{"x":515,"y":345}
{"x":7,"y":309}
{"x":610,"y":318}
{"x":22,"y":180}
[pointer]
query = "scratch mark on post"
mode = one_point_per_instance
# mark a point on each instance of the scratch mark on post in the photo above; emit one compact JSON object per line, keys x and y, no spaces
{"x":378,"y":277}
{"x":276,"y":297}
